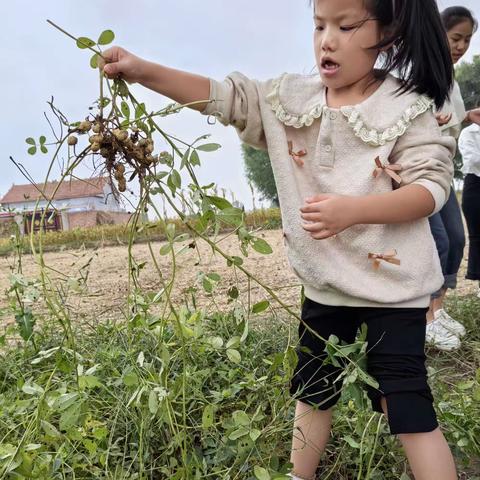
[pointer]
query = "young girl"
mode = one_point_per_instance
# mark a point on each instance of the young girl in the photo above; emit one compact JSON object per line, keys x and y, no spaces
{"x":443,"y":331}
{"x":359,"y":162}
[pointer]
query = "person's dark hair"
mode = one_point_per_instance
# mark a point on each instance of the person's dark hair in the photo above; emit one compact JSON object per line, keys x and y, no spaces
{"x":452,"y":16}
{"x":416,"y":46}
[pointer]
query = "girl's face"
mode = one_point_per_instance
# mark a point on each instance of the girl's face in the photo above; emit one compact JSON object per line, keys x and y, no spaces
{"x":344,"y":33}
{"x":459,"y":38}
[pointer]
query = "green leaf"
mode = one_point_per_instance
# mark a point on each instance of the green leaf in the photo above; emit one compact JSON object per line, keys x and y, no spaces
{"x":176,"y":179}
{"x":209,"y":147}
{"x":254,"y":434}
{"x":94,"y":61}
{"x":121,"y":87}
{"x":88,"y":381}
{"x":233,"y":292}
{"x":367,"y":378}
{"x":353,"y":443}
{"x":166,"y":249}
{"x":466,"y":385}
{"x":32,"y":389}
{"x":195,"y":159}
{"x":261,"y":473}
{"x":214,"y":276}
{"x":261,"y":246}
{"x":49,"y":429}
{"x":30,"y":141}
{"x":234,"y":355}
{"x":42,"y":139}
{"x":219,"y":202}
{"x":130,"y":379}
{"x":260,"y":306}
{"x":140,"y":110}
{"x":44,"y":149}
{"x":215,"y":342}
{"x":241,"y":418}
{"x":32,"y":150}
{"x":142,"y":126}
{"x":106,"y":37}
{"x":69,"y":417}
{"x":237,"y":261}
{"x":85,"y":42}
{"x":170,"y":231}
{"x":125,"y":109}
{"x":231,"y":216}
{"x":153,"y":402}
{"x":25,"y":322}
{"x":233,"y":342}
{"x":239,"y":433}
{"x":207,"y":285}
{"x":184,"y":159}
{"x":208,"y":416}
{"x":476,"y":394}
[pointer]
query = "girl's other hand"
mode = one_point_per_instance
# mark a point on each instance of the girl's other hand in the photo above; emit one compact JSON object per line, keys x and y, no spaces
{"x":118,"y":62}
{"x":443,"y":119}
{"x":328,"y":215}
{"x":474,"y":116}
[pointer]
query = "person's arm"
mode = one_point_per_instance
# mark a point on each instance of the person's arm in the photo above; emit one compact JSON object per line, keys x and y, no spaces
{"x":469,"y":147}
{"x":182,"y":87}
{"x":473,"y":116}
{"x":235,"y":101}
{"x":427,"y":170}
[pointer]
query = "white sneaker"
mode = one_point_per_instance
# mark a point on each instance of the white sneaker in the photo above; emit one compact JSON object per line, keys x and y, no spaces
{"x":449,"y":323}
{"x":441,"y":338}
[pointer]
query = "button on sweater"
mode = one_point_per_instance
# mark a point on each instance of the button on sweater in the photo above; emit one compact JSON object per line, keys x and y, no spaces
{"x":355,"y":150}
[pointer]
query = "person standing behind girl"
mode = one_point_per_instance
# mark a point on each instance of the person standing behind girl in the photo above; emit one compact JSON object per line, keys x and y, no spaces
{"x":447,"y":226}
{"x":359,"y":162}
{"x":469,"y":145}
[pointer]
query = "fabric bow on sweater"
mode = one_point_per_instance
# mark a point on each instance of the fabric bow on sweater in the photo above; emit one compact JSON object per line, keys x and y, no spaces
{"x":297,"y":156}
{"x":388,"y":257}
{"x":389,"y":169}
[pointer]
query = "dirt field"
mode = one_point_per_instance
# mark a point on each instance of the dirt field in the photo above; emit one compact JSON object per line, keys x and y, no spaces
{"x":107,"y":283}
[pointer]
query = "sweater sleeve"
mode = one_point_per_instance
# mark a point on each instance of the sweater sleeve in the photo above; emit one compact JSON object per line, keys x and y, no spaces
{"x":426,"y":158}
{"x":235,"y":101}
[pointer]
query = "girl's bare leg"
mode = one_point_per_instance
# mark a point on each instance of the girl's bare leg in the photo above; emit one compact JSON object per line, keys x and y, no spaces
{"x":428,"y":454}
{"x":311,"y":432}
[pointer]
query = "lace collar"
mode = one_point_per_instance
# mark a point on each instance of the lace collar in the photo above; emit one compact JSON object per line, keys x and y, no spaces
{"x":299,"y":100}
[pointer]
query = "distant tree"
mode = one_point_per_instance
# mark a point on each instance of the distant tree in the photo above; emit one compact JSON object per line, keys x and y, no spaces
{"x":468,"y":77}
{"x":259,"y":172}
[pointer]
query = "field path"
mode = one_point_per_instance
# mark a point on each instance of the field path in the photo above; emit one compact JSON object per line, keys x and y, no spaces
{"x":107,"y":282}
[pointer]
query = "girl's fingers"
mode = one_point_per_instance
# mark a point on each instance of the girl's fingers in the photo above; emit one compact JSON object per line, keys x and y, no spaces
{"x":313,"y":227}
{"x":324,"y":234}
{"x":313,"y":207}
{"x":311,"y":217}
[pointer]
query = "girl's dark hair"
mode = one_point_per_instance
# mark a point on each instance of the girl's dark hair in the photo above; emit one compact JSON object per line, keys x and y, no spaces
{"x":415,"y":46}
{"x":452,"y":16}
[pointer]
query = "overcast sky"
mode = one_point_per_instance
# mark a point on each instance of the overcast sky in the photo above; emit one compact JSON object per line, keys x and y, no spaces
{"x":211,"y":37}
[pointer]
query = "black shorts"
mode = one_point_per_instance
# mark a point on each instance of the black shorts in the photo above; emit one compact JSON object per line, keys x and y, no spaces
{"x":395,"y":358}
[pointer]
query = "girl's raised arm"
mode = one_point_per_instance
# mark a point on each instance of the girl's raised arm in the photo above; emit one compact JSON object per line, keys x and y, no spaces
{"x":182,"y":87}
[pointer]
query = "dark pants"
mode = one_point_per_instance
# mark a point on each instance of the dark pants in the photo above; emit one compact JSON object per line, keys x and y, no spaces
{"x":449,"y":234}
{"x":471,"y":210}
{"x":395,"y":358}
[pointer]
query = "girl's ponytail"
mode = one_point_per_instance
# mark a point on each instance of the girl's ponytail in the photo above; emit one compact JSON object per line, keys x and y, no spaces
{"x":416,"y":46}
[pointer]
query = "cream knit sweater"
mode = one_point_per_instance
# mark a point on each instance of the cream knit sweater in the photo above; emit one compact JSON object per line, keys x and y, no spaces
{"x":334,"y":151}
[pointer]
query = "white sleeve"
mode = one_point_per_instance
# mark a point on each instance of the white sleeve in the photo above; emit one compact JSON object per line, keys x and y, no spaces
{"x":469,"y":148}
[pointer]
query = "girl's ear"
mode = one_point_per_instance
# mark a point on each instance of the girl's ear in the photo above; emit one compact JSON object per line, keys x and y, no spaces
{"x":387,"y":33}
